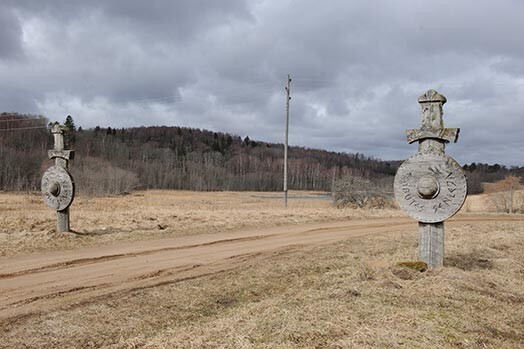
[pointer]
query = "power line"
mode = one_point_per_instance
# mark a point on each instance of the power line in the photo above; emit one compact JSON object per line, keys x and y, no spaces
{"x":22,"y":128}
{"x":312,"y":80}
{"x":22,"y":119}
{"x":222,"y":91}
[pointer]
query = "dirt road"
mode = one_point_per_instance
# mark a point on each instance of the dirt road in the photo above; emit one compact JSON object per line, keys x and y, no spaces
{"x":43,"y":282}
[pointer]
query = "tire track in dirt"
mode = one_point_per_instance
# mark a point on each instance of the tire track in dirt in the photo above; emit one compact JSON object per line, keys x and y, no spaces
{"x":91,"y":260}
{"x":40,"y":283}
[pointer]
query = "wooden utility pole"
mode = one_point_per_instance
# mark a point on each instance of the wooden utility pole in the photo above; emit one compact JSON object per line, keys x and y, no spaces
{"x":288,"y":98}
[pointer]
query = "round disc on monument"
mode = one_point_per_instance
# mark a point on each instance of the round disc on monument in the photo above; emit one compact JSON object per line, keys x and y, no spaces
{"x":58,"y":188}
{"x":430,"y":187}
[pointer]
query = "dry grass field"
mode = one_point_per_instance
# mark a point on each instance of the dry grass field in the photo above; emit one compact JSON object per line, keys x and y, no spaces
{"x":27,"y":225}
{"x":347,"y":294}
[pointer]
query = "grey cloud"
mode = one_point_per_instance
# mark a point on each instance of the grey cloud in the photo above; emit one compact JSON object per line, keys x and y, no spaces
{"x":10,"y":35}
{"x":141,"y":20}
{"x":357,"y":68}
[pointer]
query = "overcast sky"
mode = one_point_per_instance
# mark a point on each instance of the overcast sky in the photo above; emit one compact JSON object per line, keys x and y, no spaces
{"x":358,"y":68}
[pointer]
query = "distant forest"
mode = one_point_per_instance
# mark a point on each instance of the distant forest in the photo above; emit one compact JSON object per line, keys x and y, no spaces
{"x":110,"y":160}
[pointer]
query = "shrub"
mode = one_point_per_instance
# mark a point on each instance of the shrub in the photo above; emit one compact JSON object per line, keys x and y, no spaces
{"x":359,"y":192}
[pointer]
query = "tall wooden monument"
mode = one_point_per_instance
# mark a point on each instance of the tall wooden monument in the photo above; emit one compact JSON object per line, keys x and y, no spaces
{"x":58,"y":187}
{"x":431,"y":186}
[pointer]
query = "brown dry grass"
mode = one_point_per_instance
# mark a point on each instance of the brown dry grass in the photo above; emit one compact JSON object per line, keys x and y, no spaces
{"x":27,"y":225}
{"x":345,"y":295}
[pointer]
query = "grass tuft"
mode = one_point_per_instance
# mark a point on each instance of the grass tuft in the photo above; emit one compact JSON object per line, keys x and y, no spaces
{"x":416,"y":265}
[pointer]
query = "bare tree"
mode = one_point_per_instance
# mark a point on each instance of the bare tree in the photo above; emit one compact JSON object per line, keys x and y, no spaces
{"x":505,"y":194}
{"x":98,"y":177}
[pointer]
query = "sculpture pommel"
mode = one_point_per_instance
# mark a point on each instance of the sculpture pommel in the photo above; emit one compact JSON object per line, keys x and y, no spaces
{"x":432,"y":96}
{"x":432,"y":124}
{"x":56,"y":128}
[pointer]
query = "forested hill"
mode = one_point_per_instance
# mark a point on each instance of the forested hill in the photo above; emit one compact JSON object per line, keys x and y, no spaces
{"x":112,"y":160}
{"x":171,"y":158}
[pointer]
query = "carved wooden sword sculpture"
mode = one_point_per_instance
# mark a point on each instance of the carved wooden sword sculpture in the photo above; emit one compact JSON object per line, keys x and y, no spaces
{"x":58,"y":187}
{"x":431,"y":186}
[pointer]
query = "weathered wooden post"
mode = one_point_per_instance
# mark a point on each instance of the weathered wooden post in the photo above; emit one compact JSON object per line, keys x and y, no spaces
{"x":431,"y":186}
{"x":58,"y":187}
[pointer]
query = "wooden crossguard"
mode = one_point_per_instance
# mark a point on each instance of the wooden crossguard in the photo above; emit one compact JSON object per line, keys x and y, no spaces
{"x":432,"y":123}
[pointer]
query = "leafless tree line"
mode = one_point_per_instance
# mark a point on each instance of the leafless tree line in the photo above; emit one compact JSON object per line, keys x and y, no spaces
{"x":112,"y":161}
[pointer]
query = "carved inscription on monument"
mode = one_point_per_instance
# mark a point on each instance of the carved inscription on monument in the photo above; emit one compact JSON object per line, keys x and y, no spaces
{"x":58,"y":188}
{"x":430,"y":187}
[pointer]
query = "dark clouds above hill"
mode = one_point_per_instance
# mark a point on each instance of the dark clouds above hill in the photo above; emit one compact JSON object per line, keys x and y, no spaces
{"x":358,"y":68}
